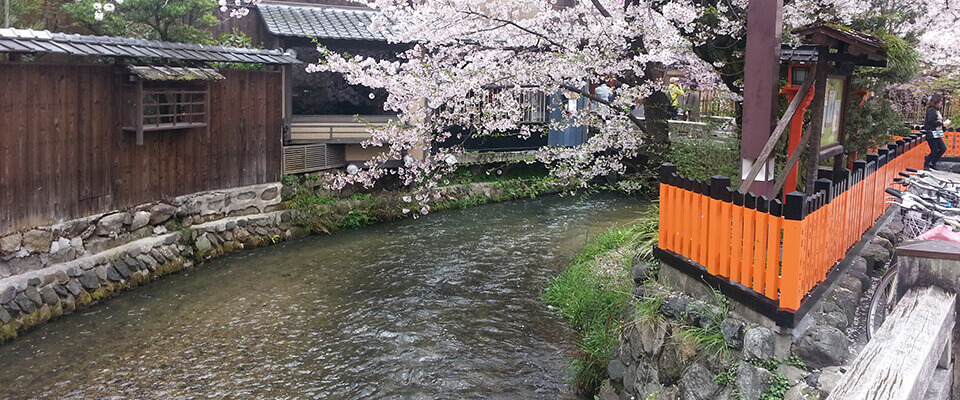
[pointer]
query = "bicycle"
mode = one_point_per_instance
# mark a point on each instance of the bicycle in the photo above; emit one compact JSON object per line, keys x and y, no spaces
{"x":920,"y":214}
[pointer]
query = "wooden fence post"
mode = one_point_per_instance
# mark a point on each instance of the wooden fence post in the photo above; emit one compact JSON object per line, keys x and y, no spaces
{"x":793,"y":214}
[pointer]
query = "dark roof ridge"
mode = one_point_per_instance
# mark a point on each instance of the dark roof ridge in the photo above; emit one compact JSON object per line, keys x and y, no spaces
{"x":30,"y":41}
{"x":314,"y":5}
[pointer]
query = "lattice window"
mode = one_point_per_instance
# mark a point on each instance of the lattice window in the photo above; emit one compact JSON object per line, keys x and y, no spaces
{"x":162,"y":107}
{"x":533,"y":103}
{"x":173,"y":108}
{"x":534,"y":106}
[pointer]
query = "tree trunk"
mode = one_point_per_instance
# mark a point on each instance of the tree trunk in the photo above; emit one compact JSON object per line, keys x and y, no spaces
{"x":657,"y":112}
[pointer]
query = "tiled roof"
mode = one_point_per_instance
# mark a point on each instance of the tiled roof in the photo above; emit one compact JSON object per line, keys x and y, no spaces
{"x":805,"y":53}
{"x":31,"y":41}
{"x":164,"y":73}
{"x":319,"y":22}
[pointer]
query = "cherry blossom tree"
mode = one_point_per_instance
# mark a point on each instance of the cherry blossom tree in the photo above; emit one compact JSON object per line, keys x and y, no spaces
{"x":471,"y":62}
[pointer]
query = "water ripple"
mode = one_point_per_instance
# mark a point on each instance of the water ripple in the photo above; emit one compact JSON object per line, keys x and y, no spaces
{"x":441,"y":307}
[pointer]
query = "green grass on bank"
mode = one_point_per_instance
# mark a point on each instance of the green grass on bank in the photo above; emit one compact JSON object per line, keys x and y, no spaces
{"x":326,"y":212}
{"x":591,"y":293}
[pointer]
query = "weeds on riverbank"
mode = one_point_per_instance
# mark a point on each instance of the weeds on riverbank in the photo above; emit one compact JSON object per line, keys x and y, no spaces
{"x":325,"y":212}
{"x":592,"y":292}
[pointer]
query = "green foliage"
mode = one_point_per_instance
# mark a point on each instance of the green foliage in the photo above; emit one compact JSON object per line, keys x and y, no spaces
{"x":709,"y":338}
{"x":795,"y":361}
{"x":241,"y":40}
{"x":780,"y":385}
{"x":25,"y":14}
{"x":871,"y":124}
{"x":357,"y":219}
{"x":170,"y":20}
{"x":703,"y":158}
{"x":769,"y":364}
{"x":727,"y":377}
{"x":290,"y":180}
{"x":647,"y":308}
{"x":236,"y":39}
{"x":647,"y":229}
{"x":361,"y":196}
{"x":777,"y":388}
{"x":903,"y":61}
{"x":461,"y":203}
{"x":591,"y":301}
{"x":314,"y":200}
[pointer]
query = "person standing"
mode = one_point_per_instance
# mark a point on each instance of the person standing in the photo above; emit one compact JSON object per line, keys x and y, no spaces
{"x":933,"y":126}
{"x":676,"y":93}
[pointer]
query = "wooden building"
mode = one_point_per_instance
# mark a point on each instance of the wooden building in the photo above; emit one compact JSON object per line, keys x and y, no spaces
{"x":90,"y":124}
{"x":327,"y":117}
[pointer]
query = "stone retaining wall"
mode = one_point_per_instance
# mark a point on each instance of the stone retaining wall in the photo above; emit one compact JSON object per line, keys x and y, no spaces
{"x":660,"y":353}
{"x":34,"y":297}
{"x":89,"y":259}
{"x":35,"y":249}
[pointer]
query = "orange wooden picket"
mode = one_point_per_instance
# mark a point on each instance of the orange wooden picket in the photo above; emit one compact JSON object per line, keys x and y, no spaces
{"x":780,"y":250}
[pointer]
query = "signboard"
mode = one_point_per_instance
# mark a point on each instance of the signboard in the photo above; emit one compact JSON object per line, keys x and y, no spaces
{"x":832,"y":109}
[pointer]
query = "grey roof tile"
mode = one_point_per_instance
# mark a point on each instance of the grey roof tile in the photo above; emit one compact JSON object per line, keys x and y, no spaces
{"x":30,"y":41}
{"x":321,"y":22}
{"x":803,"y":54}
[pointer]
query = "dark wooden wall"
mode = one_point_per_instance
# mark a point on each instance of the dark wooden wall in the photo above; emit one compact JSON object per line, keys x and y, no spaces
{"x":64,"y":156}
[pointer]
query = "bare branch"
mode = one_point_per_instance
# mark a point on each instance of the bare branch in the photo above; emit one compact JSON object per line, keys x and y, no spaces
{"x":603,"y":11}
{"x":515,"y":25}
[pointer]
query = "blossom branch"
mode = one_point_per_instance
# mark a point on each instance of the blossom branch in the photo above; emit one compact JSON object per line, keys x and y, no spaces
{"x":608,"y":103}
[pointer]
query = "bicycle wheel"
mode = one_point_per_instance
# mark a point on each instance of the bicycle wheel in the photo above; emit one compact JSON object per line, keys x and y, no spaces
{"x":882,"y":301}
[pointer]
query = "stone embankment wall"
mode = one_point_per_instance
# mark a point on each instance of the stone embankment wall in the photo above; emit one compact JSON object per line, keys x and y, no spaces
{"x":698,"y":347}
{"x":33,"y":249}
{"x":50,"y":271}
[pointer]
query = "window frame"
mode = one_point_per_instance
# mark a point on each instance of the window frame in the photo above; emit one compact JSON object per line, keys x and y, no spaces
{"x":189,"y":101}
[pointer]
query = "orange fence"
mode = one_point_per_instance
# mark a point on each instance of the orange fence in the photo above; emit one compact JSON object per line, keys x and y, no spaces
{"x":778,"y":250}
{"x":952,"y":140}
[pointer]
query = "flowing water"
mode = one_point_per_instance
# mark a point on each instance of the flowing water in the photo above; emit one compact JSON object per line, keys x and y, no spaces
{"x":445,"y":306}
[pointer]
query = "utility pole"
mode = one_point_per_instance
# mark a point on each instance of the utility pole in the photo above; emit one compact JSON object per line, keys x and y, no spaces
{"x":760,"y":84}
{"x":6,"y":13}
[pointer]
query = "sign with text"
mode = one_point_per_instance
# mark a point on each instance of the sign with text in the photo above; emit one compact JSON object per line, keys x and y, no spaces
{"x":832,"y":112}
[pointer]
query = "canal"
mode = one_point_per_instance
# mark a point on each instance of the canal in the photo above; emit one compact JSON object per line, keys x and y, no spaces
{"x":445,"y":306}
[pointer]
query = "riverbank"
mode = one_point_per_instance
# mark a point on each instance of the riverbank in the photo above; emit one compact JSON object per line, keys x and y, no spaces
{"x":95,"y":258}
{"x":592,"y":292}
{"x":443,"y":306}
{"x":647,"y":330}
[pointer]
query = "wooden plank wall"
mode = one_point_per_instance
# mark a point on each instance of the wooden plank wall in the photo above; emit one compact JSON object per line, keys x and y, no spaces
{"x":63,"y":155}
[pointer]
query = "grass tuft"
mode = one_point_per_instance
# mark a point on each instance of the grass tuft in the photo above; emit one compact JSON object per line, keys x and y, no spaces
{"x":591,"y":293}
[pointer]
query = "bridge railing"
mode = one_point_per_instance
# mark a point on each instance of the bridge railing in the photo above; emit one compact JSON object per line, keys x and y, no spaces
{"x":780,"y":251}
